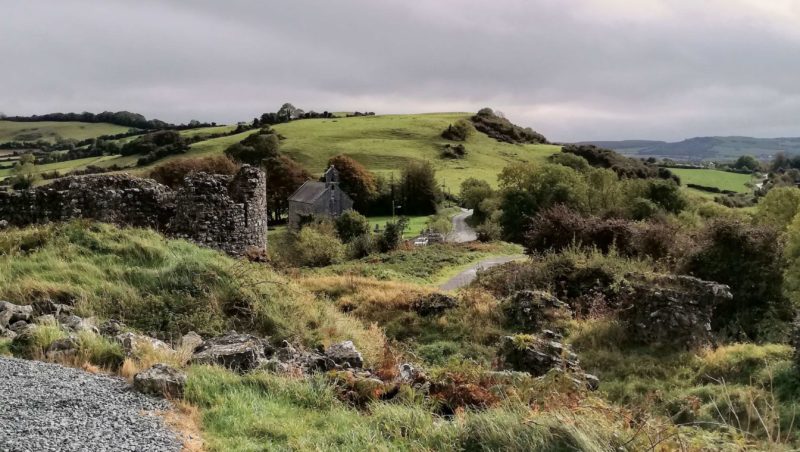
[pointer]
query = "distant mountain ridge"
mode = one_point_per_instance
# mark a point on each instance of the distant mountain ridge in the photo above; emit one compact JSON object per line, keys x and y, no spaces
{"x":705,"y":148}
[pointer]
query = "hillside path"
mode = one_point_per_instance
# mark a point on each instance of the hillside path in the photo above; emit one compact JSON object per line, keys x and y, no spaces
{"x":462,"y":232}
{"x":467,"y":276}
{"x":46,"y":407}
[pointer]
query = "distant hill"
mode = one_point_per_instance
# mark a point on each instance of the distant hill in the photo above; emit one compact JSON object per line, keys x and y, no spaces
{"x":705,"y":148}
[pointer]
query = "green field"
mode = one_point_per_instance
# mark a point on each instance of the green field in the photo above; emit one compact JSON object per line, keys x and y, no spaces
{"x":714,"y":178}
{"x":50,"y":130}
{"x":384,"y":144}
{"x":64,"y":167}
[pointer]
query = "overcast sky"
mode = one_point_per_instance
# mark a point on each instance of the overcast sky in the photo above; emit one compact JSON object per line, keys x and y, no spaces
{"x":571,"y":69}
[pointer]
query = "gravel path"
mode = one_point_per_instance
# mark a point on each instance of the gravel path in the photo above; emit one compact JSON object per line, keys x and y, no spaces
{"x":462,"y":232}
{"x":467,"y":276}
{"x":47,"y":407}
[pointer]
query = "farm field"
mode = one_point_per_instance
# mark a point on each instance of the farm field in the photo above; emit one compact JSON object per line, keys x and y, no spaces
{"x":50,"y":130}
{"x":65,"y":166}
{"x":714,"y":178}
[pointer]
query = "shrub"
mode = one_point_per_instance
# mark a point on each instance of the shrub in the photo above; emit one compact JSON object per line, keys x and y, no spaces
{"x":255,"y":148}
{"x":350,"y":225}
{"x":643,"y":209}
{"x":459,"y":131}
{"x":174,"y":172}
{"x":501,"y":129}
{"x":750,"y":260}
{"x":573,"y":161}
{"x":315,"y":247}
{"x":778,"y":207}
{"x":362,"y":245}
{"x":392,"y":235}
{"x":454,"y":152}
{"x":559,"y":227}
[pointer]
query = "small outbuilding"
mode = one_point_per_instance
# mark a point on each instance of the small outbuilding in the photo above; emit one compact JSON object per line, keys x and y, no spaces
{"x":318,"y":199}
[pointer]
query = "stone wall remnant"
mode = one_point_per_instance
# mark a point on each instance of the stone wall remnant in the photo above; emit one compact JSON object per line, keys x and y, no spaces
{"x":228,"y":213}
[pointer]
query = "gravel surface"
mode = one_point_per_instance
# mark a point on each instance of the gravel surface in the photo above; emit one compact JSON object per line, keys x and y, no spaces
{"x":47,"y":407}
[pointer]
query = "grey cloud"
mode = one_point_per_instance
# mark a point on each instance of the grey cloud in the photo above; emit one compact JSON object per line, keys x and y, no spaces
{"x":573,"y":70}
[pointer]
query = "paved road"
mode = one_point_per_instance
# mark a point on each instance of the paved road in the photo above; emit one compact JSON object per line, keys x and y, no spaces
{"x":467,"y":276}
{"x":462,"y":232}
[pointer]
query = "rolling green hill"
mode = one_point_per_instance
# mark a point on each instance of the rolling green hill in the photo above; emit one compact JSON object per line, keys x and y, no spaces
{"x":50,"y":131}
{"x":384,"y":144}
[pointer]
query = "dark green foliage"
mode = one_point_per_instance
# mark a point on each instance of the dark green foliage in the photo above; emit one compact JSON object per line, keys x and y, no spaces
{"x":454,"y":152}
{"x":749,"y":259}
{"x":351,"y":225}
{"x":155,"y":146}
{"x":473,"y":194}
{"x":625,"y":167}
{"x":748,"y":163}
{"x":642,"y":209}
{"x":392,"y":235}
{"x":558,"y":227}
{"x":573,"y":161}
{"x":419,"y":190}
{"x":459,"y":131}
{"x":501,"y":129}
{"x":667,"y":195}
{"x":255,"y":149}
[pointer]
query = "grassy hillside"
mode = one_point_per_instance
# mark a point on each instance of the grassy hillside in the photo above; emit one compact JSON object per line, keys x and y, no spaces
{"x":714,"y":178}
{"x":384,"y":144}
{"x":51,"y":131}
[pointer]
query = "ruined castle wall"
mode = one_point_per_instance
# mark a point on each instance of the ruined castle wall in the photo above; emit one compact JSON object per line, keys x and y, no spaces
{"x":222,"y":212}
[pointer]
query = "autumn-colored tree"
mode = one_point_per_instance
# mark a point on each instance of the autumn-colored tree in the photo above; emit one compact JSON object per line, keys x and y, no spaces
{"x":355,"y":180}
{"x":284,"y":176}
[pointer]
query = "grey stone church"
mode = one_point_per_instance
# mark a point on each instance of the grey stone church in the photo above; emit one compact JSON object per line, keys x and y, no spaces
{"x":318,"y":199}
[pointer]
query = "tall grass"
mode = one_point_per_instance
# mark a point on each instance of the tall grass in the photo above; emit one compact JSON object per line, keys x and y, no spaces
{"x":167,"y":287}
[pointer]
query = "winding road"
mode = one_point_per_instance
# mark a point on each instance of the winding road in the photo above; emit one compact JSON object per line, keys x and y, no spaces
{"x":462,"y":232}
{"x":467,"y":276}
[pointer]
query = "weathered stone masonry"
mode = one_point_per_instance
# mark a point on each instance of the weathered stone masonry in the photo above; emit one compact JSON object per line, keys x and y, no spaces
{"x":228,"y":213}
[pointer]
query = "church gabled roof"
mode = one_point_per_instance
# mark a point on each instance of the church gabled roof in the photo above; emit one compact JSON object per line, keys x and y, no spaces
{"x":309,"y":192}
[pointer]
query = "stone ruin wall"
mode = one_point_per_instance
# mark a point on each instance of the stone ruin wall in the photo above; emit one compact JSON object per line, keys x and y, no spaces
{"x":228,"y":213}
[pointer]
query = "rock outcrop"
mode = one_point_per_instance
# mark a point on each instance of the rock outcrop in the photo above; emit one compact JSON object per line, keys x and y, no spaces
{"x":668,"y":310}
{"x":533,"y":310}
{"x":238,"y":352}
{"x":160,"y":380}
{"x":433,"y":304}
{"x":540,"y":354}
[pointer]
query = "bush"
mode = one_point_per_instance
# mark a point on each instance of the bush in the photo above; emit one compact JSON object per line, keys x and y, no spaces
{"x":643,"y":209}
{"x":362,"y":246}
{"x":454,"y":152}
{"x":460,"y":131}
{"x":350,"y":225}
{"x":750,"y":260}
{"x":392,"y":235}
{"x":316,"y":247}
{"x":559,"y":227}
{"x":778,"y":207}
{"x":173,"y":173}
{"x":573,"y":161}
